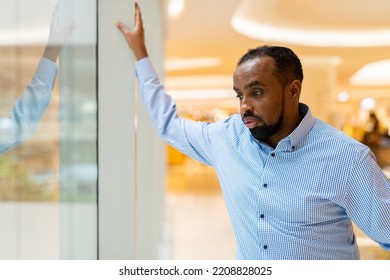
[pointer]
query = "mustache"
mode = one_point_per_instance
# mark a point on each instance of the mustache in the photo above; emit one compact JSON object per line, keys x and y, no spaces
{"x":250,"y":114}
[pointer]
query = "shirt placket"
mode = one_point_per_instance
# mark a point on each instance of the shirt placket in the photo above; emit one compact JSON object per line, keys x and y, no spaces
{"x":264,"y":230}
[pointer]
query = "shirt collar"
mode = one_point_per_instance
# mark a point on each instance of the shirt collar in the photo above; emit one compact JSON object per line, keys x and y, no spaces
{"x":291,"y":142}
{"x":302,"y":129}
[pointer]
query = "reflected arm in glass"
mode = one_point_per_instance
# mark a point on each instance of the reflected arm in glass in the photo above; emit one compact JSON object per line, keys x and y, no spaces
{"x":57,"y":36}
{"x":30,"y":107}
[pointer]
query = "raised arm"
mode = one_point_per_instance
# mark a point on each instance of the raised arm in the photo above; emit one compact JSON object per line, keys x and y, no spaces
{"x":190,"y":137}
{"x":29,"y":108}
{"x":135,"y":37}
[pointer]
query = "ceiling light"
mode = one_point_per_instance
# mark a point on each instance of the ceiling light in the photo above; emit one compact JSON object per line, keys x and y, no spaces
{"x":201,"y":94}
{"x":175,"y":8}
{"x":199,"y":82}
{"x":315,"y":38}
{"x":372,"y":74}
{"x":321,"y":59}
{"x":343,"y":97}
{"x":177,"y":63}
{"x":368,"y":104}
{"x":322,"y":24}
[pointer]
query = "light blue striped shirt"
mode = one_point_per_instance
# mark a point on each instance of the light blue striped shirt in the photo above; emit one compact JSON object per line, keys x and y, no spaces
{"x":296,"y":201}
{"x":29,"y":108}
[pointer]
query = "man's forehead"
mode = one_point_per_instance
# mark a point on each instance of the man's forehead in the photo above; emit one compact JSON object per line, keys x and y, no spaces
{"x":264,"y":65}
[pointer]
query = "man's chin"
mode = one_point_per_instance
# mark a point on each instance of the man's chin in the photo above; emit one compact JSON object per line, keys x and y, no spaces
{"x":260,"y":133}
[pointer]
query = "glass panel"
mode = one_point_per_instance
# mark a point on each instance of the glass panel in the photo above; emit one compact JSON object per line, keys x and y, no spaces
{"x":78,"y":138}
{"x":48,"y":160}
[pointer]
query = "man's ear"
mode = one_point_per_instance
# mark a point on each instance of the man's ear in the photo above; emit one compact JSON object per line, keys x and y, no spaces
{"x":295,"y":89}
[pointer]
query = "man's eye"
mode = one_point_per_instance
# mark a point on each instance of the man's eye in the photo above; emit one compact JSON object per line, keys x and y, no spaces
{"x":239,"y":96}
{"x":257,"y":92}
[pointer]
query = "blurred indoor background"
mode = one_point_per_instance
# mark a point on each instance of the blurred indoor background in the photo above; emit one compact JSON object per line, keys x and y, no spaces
{"x":344,"y":47}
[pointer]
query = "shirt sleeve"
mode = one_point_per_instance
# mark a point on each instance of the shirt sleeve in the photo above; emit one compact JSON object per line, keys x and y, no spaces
{"x":29,"y":108}
{"x":190,"y":137}
{"x":368,"y":199}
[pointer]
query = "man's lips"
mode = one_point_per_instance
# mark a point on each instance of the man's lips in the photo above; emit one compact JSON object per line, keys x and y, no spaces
{"x":251,"y":122}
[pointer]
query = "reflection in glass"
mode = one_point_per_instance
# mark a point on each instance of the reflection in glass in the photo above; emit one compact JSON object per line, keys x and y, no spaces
{"x":48,"y":172}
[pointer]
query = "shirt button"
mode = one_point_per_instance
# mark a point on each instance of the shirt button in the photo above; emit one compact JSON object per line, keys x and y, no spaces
{"x":273,"y":154}
{"x":265,"y":247}
{"x":265,"y":185}
{"x":262,"y":216}
{"x":293,"y":147}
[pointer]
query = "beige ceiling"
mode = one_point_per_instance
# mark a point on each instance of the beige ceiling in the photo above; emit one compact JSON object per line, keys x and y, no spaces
{"x":204,"y":30}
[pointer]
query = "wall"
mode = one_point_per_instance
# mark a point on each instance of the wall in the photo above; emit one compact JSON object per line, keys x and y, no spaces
{"x":131,"y":157}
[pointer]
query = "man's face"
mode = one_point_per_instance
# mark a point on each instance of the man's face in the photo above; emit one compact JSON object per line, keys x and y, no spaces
{"x":262,"y":97}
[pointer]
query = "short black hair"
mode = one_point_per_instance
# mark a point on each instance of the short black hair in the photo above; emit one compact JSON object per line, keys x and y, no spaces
{"x":288,"y":66}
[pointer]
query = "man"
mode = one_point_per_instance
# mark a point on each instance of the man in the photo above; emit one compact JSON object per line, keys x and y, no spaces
{"x":29,"y":108}
{"x":292,"y":184}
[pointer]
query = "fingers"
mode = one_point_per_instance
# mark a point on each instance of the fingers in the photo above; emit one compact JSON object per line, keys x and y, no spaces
{"x":138,"y":16}
{"x":120,"y":26}
{"x":138,"y":19}
{"x":135,"y":35}
{"x":135,"y":11}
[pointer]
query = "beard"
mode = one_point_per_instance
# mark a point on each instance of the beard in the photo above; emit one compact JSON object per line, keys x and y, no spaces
{"x":265,"y":131}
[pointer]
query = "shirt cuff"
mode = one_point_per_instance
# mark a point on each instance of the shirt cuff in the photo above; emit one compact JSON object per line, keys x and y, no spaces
{"x":46,"y":71}
{"x":144,"y":69}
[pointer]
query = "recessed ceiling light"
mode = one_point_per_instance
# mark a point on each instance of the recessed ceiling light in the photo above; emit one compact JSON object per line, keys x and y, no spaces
{"x":199,"y":82}
{"x":343,"y":96}
{"x":368,"y":104}
{"x":372,"y":74}
{"x":178,"y":63}
{"x":175,"y":8}
{"x":202,"y":94}
{"x":350,"y":23}
{"x":315,"y":38}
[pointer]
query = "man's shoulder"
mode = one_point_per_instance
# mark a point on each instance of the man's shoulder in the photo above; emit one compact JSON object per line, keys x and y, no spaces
{"x":335,"y":137}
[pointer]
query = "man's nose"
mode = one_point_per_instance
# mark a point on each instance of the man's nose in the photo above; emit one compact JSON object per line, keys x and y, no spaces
{"x":246,"y":105}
